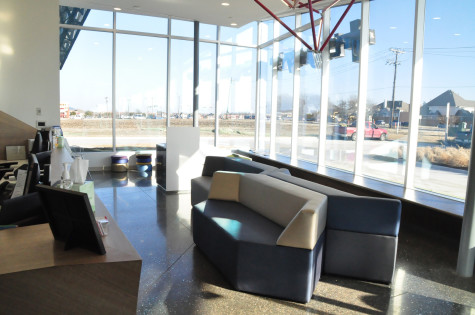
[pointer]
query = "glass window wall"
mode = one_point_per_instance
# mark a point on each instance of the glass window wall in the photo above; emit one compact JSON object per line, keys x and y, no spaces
{"x":389,"y":77}
{"x":86,"y":93}
{"x":141,"y":23}
{"x":446,"y":115}
{"x":140,"y":91}
{"x":285,"y":92}
{"x":265,"y":99}
{"x":207,"y":93}
{"x":309,"y":104}
{"x":343,"y":93}
{"x":181,"y":83}
{"x":237,"y":97}
{"x":245,"y":35}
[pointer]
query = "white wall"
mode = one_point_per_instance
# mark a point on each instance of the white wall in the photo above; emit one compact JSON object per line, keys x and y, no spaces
{"x":29,"y":60}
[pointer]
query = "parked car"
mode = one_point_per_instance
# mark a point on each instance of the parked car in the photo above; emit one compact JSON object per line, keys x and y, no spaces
{"x":371,"y":131}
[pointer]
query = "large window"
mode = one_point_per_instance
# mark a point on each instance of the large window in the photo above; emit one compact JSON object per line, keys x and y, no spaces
{"x":228,"y":89}
{"x":181,"y":83}
{"x":207,"y":93}
{"x":237,"y":96}
{"x":142,"y":23}
{"x":265,"y":99}
{"x":390,"y":54}
{"x":285,"y":92}
{"x":140,"y":91}
{"x":309,"y":104}
{"x":343,"y":96}
{"x":448,"y":98}
{"x":86,"y":92}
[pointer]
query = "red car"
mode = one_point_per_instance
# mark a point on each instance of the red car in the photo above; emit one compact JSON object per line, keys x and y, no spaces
{"x":371,"y":131}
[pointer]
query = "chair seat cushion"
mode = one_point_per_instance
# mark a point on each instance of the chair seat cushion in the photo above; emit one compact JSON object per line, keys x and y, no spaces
{"x":240,"y":222}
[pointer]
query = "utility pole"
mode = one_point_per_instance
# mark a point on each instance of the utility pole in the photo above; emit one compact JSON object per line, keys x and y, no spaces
{"x":397,"y":52}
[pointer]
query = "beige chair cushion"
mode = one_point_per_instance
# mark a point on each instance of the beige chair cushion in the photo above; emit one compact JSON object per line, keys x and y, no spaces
{"x":307,"y":226}
{"x":273,"y":198}
{"x":225,"y":186}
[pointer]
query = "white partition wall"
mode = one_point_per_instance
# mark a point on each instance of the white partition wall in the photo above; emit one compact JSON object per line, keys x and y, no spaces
{"x":183,"y":157}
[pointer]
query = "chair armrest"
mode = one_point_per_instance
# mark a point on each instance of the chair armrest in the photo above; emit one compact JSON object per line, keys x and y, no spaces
{"x":306,"y":227}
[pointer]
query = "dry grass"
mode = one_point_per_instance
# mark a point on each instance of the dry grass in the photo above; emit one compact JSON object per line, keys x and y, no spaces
{"x":449,"y":156}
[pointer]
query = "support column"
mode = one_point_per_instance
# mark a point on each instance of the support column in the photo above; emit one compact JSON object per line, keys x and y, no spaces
{"x":296,"y":95}
{"x":416,"y":93}
{"x":196,"y":73}
{"x":466,"y":256}
{"x":362,"y":86}
{"x":324,"y":92}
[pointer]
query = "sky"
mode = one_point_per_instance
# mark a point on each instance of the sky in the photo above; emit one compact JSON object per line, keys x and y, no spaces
{"x":86,"y":78}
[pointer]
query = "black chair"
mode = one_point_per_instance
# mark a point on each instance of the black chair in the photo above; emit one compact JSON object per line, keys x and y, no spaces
{"x":22,"y":211}
{"x":6,"y":167}
{"x":38,"y":144}
{"x":26,"y":209}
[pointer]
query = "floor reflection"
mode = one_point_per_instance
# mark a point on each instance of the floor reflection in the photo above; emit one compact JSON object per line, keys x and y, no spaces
{"x":177,"y":279}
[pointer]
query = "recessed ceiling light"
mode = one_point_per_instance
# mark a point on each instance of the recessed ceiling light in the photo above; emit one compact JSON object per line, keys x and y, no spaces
{"x":233,"y":24}
{"x":392,"y":27}
{"x":118,"y":9}
{"x":225,"y":4}
{"x":436,"y":18}
{"x":457,"y":34}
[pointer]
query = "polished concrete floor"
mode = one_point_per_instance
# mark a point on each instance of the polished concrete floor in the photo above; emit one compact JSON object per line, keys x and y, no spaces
{"x":177,"y":279}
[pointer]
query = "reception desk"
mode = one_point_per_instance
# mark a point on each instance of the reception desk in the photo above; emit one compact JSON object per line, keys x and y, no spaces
{"x":38,"y":277}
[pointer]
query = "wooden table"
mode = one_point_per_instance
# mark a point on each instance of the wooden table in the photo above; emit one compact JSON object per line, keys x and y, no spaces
{"x":38,"y":277}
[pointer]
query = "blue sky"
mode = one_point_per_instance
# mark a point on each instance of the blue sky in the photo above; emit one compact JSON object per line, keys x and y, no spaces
{"x":449,"y":60}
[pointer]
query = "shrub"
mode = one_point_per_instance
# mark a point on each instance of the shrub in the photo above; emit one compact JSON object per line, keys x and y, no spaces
{"x":451,"y":156}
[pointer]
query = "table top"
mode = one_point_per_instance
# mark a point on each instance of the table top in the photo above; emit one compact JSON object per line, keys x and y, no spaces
{"x":33,"y":247}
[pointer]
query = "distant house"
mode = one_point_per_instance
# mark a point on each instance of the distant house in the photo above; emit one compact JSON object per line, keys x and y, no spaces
{"x":382,"y":111}
{"x":438,"y":105}
{"x":435,"y":111}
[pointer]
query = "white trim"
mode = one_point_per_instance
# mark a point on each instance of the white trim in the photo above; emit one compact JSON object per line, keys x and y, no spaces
{"x":362,"y":87}
{"x":325,"y":84}
{"x":416,"y":92}
{"x":296,"y":96}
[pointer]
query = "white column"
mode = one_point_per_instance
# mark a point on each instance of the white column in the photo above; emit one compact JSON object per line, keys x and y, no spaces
{"x":362,"y":86}
{"x":273,"y":115}
{"x":324,"y":92}
{"x":169,"y":53}
{"x":296,"y":94}
{"x":257,"y":114}
{"x":114,"y":46}
{"x":416,"y":86}
{"x":466,"y":256}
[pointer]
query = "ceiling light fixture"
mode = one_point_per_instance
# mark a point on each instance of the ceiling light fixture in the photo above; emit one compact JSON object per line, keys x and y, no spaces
{"x":233,"y":24}
{"x":457,"y":34}
{"x":436,"y":18}
{"x":225,"y":4}
{"x":117,"y":9}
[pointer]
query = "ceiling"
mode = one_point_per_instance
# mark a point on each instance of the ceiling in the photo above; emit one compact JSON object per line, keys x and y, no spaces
{"x":239,"y":12}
